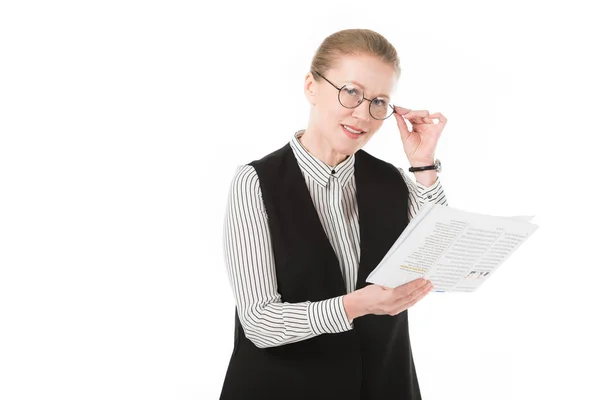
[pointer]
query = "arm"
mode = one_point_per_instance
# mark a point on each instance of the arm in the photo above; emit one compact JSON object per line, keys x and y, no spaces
{"x":267,"y":321}
{"x":418,"y":193}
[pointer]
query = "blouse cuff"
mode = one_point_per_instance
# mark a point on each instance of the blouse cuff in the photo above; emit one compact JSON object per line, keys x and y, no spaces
{"x":328,"y":316}
{"x":427,"y":192}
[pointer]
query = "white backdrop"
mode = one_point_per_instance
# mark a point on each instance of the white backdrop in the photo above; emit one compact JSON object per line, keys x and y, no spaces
{"x":122,"y":123}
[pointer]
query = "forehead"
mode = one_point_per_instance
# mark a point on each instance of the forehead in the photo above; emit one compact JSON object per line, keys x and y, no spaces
{"x":373,"y":75}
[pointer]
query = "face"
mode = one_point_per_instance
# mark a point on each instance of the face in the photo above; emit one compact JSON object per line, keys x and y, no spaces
{"x":329,"y":118}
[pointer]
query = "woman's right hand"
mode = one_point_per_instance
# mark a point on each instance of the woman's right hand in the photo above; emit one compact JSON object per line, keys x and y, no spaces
{"x":381,"y":300}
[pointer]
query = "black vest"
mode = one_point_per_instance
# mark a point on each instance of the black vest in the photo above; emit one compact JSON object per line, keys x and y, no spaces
{"x":373,"y":360}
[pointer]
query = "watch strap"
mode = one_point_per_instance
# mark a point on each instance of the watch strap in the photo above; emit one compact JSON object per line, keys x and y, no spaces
{"x":425,"y":168}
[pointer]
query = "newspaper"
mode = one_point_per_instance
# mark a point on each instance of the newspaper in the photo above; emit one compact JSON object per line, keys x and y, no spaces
{"x":456,"y":250}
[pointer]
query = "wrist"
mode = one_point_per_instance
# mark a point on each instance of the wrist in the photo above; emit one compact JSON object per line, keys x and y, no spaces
{"x":352,"y":306}
{"x":422,"y":162}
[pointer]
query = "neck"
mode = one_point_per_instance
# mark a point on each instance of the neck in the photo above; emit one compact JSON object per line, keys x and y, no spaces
{"x":321,"y":149}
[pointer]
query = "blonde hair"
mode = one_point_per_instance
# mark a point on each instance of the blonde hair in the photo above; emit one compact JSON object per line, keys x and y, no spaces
{"x":353,"y":42}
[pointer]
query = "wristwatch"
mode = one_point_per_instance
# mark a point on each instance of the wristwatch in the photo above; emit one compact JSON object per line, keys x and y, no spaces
{"x":437,"y":166}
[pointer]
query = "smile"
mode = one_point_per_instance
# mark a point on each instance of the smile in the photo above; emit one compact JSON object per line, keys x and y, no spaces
{"x":352,"y":133}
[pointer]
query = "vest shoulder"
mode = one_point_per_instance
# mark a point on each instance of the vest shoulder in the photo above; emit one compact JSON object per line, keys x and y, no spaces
{"x":274,"y":157}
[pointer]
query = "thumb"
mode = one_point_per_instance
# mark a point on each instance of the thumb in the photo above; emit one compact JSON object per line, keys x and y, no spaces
{"x":404,"y":133}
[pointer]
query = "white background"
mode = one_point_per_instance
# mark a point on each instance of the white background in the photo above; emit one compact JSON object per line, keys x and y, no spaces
{"x":121,"y":127}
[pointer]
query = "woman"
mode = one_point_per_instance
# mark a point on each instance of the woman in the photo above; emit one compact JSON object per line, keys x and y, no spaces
{"x":306,"y":225}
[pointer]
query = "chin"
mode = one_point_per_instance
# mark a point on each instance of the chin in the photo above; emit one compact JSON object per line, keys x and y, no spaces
{"x":349,"y":148}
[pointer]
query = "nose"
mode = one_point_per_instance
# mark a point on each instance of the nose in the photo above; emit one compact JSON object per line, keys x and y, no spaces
{"x":362,"y":111}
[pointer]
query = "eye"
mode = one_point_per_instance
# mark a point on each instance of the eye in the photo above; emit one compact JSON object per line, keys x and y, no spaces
{"x":352,"y":91}
{"x":380,"y":102}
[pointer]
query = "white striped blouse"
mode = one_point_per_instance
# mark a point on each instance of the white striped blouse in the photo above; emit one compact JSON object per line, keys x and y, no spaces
{"x":266,"y":320}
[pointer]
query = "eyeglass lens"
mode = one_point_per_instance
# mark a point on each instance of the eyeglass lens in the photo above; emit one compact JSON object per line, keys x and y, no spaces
{"x":352,"y":96}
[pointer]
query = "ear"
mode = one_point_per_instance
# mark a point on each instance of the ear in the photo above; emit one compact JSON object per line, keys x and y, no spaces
{"x":310,"y":88}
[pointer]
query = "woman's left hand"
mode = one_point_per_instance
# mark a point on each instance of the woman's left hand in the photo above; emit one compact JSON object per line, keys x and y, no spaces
{"x":420,"y":143}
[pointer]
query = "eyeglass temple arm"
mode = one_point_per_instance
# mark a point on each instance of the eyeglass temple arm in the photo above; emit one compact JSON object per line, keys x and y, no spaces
{"x":317,"y":72}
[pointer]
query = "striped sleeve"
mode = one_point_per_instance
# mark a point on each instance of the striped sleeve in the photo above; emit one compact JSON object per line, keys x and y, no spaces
{"x":248,"y":252}
{"x":418,"y":194}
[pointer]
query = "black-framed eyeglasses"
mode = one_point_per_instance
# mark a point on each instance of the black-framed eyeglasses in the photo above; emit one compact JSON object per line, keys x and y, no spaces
{"x":351,"y":96}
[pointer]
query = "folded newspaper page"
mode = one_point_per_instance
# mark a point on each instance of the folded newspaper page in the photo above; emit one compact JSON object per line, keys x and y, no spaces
{"x":456,"y":250}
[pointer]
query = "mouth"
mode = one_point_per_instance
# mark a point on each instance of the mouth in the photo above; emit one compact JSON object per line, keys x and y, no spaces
{"x":352,"y":131}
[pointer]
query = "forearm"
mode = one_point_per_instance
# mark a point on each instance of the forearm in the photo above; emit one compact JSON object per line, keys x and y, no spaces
{"x":249,"y":258}
{"x":277,"y":323}
{"x":418,"y":194}
{"x":426,"y":178}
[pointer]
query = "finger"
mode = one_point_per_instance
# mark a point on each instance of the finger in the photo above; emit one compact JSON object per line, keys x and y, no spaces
{"x":409,"y":301}
{"x":421,"y":290}
{"x":417,"y":117}
{"x":416,"y":113}
{"x":402,"y":110}
{"x":406,"y":304}
{"x":414,"y":116}
{"x":416,"y":120}
{"x":410,"y":287}
{"x":404,"y":132}
{"x":440,"y":117}
{"x":419,"y":297}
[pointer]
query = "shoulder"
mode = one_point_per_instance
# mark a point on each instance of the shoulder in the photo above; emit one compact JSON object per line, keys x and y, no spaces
{"x":245,"y":195}
{"x":246,"y":176}
{"x":245,"y":180}
{"x":273,"y":159}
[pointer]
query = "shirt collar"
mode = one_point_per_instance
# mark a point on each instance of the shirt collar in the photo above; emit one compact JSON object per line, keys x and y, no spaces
{"x":316,"y":169}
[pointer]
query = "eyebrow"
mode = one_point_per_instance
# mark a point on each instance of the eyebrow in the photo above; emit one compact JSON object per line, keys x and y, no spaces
{"x":363,"y":87}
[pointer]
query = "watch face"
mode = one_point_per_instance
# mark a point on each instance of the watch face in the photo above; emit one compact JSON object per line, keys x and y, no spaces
{"x":438,"y":165}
